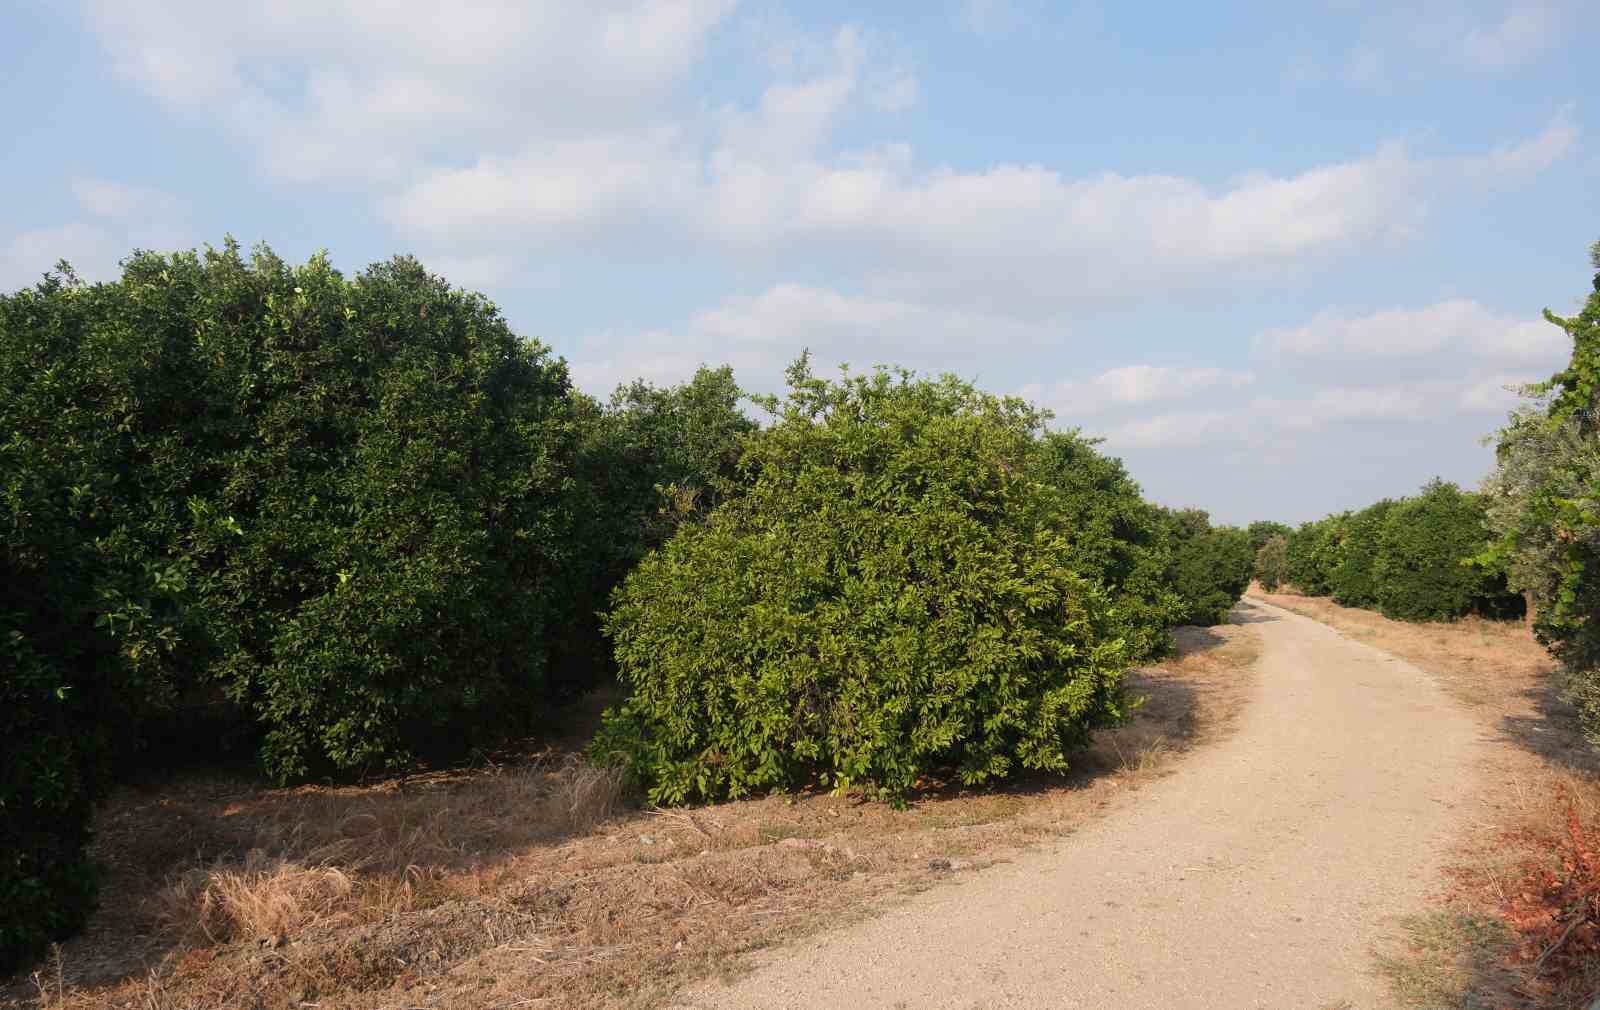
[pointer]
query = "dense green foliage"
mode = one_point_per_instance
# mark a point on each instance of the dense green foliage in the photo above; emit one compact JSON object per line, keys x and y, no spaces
{"x":1312,"y":556}
{"x":382,"y":548}
{"x":86,"y":623}
{"x":894,"y":593}
{"x":1116,"y":537}
{"x":1425,"y":543}
{"x":648,"y":460}
{"x":1544,"y":506}
{"x":352,"y":501}
{"x":1354,"y":579}
{"x":1264,"y":530}
{"x":346,"y":503}
{"x":1272,"y":562}
{"x":1210,"y":568}
{"x":1413,"y":558}
{"x":366,"y":522}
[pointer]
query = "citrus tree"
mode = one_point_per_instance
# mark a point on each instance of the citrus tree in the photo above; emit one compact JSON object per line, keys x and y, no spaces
{"x":1544,"y":507}
{"x":894,"y":593}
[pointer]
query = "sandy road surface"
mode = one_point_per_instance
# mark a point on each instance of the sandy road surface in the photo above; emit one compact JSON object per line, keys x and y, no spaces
{"x":1260,"y":874}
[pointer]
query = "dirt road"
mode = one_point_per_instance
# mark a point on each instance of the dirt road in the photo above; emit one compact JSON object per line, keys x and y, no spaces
{"x":1260,"y":874}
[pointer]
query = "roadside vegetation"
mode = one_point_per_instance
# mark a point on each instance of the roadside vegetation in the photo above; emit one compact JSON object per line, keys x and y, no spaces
{"x":352,"y":527}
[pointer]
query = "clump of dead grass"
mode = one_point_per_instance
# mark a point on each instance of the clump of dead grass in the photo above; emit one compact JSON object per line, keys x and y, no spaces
{"x":257,"y":900}
{"x":353,"y":855}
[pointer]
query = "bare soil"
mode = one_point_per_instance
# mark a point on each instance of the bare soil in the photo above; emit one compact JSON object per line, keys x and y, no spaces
{"x":538,"y":883}
{"x":1505,"y":926}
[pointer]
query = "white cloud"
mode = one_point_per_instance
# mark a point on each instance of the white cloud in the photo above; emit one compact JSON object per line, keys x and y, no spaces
{"x":1526,"y":29}
{"x":1177,"y":430}
{"x":92,"y":251}
{"x":1363,"y":384}
{"x":1518,"y":161}
{"x":364,"y":89}
{"x":1398,"y":402}
{"x":1132,"y":385}
{"x":104,"y":198}
{"x":1422,"y":35}
{"x":547,"y":192}
{"x":1021,"y":239}
{"x":503,"y":129}
{"x":475,"y":273}
{"x":1290,"y":422}
{"x":113,"y":219}
{"x":1018,"y":235}
{"x":1461,"y":329}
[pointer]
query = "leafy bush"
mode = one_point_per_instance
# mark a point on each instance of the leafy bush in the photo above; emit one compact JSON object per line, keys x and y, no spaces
{"x":893,"y":594}
{"x":1412,"y":558}
{"x":1425,"y":547}
{"x":1544,"y":507}
{"x":1211,"y":567}
{"x":90,"y":623}
{"x":1115,"y":537}
{"x":54,"y":766}
{"x":1264,"y":530}
{"x":1313,"y":555}
{"x":1354,"y":580}
{"x":650,"y":459}
{"x":1272,"y":562}
{"x":349,"y":503}
{"x":379,"y":550}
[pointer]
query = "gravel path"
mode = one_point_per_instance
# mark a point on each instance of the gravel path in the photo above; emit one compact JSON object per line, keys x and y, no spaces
{"x":1260,"y":874}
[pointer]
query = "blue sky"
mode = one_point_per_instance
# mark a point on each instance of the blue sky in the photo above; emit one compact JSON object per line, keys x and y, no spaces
{"x":1284,"y":258}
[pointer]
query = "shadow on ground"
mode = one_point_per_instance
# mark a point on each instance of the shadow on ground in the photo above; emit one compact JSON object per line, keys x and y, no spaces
{"x":1246,"y":612}
{"x":1554,"y":731}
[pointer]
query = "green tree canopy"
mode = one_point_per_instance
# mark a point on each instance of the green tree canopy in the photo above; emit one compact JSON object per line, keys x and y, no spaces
{"x":1425,"y":546}
{"x":894,"y":592}
{"x":1210,"y":569}
{"x":1272,"y":562}
{"x":347,"y":502}
{"x":1544,"y":506}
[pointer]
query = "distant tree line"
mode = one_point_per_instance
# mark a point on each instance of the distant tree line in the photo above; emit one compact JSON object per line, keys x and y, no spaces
{"x":349,"y":523}
{"x":1414,"y":558}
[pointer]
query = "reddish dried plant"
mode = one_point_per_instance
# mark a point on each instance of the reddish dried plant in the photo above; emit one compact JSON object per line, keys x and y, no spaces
{"x":1554,"y":905}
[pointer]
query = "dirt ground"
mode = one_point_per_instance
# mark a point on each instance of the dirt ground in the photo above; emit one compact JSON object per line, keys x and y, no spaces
{"x":1505,"y":927}
{"x":538,"y":883}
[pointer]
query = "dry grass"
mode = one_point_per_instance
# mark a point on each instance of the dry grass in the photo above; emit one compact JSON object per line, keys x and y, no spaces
{"x":540,"y":885}
{"x":1513,"y":890}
